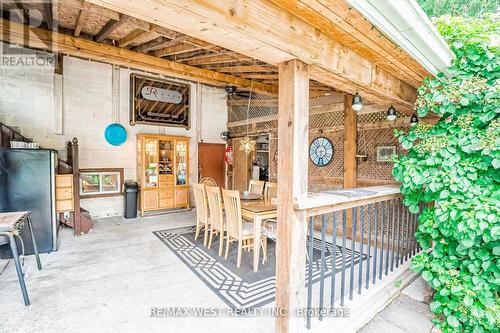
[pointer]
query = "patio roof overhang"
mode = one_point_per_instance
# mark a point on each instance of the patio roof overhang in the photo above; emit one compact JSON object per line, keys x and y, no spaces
{"x":236,"y":43}
{"x":342,"y":48}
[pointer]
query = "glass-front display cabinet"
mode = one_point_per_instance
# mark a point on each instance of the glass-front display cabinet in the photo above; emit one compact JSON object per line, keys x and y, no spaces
{"x":162,"y":172}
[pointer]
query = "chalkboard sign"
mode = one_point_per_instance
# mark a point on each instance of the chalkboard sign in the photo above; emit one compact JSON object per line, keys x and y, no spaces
{"x":159,"y":102}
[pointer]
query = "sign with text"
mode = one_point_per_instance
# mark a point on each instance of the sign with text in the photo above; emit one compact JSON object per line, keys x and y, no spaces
{"x":159,"y":102}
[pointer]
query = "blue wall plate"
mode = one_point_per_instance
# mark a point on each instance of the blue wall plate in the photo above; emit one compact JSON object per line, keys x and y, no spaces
{"x":115,"y":134}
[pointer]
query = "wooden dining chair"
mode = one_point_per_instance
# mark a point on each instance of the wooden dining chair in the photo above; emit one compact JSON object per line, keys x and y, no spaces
{"x":270,"y":191}
{"x":208,"y":182}
{"x":216,"y":218}
{"x":237,"y":229}
{"x":256,"y":186}
{"x":202,"y":222}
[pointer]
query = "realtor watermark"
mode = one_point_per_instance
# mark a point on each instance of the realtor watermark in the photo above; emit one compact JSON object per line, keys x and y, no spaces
{"x":175,"y":312}
{"x":28,"y":33}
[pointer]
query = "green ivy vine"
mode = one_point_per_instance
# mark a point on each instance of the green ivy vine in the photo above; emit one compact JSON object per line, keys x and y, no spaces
{"x":453,"y":167}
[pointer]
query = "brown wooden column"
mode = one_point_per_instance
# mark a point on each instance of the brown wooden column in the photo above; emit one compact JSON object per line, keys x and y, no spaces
{"x":350,"y":149}
{"x":350,"y":134}
{"x":293,"y":134}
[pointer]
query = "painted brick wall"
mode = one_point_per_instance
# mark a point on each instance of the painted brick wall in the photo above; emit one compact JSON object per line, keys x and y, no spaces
{"x":27,"y":101}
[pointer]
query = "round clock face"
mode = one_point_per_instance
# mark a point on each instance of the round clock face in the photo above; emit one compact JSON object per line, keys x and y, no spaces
{"x":321,"y":151}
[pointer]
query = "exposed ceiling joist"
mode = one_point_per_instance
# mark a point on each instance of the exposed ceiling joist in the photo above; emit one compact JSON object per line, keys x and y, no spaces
{"x":50,"y":14}
{"x":82,"y":16}
{"x":14,"y":33}
{"x":132,"y":37}
{"x":217,"y":59}
{"x":339,"y":20}
{"x":267,"y":32}
{"x":111,"y":26}
{"x":176,"y":48}
{"x":247,"y":69}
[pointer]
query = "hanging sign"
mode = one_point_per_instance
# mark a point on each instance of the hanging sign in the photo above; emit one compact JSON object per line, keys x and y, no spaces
{"x":161,"y":95}
{"x":156,"y":101}
{"x":228,"y":156}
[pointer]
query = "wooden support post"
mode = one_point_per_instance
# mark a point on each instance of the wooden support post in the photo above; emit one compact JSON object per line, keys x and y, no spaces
{"x":350,"y":150}
{"x":293,"y":133}
{"x":350,"y":147}
{"x":76,"y":187}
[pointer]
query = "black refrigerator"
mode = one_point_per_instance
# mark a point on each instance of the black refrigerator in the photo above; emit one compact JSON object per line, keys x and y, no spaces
{"x":27,"y":182}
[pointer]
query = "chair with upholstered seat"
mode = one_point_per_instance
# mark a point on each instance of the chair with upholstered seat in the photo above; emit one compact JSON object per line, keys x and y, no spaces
{"x":202,"y":222}
{"x":237,"y":229}
{"x":216,"y":218}
{"x":256,"y":186}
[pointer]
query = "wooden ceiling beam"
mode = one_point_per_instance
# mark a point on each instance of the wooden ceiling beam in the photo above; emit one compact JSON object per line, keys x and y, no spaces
{"x":176,"y":48}
{"x":151,"y":45}
{"x":260,"y":76}
{"x":50,"y":14}
{"x":340,"y":21}
{"x":267,"y":32}
{"x":14,"y":33}
{"x":217,"y":59}
{"x":82,"y":16}
{"x":247,"y":69}
{"x":109,"y":27}
{"x":132,"y":37}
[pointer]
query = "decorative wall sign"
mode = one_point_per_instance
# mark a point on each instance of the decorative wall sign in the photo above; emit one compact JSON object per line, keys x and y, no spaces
{"x":161,"y":95}
{"x":115,"y":134}
{"x":321,"y":151}
{"x":159,"y":102}
{"x":384,"y":153}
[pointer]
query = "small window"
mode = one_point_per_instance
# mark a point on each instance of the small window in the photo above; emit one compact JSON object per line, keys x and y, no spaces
{"x":100,"y":182}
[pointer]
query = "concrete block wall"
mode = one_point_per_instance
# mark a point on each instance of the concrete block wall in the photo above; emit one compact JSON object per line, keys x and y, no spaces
{"x":27,"y":101}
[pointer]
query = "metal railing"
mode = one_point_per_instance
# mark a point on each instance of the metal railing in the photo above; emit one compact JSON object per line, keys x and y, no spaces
{"x":353,"y":246}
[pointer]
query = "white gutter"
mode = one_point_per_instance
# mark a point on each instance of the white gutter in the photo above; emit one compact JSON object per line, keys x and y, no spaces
{"x":406,"y":24}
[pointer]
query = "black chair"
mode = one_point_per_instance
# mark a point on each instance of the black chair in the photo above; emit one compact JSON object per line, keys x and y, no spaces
{"x":10,"y":226}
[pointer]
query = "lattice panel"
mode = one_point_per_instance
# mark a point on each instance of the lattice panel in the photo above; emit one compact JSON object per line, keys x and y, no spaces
{"x":376,"y":117}
{"x":370,"y":168}
{"x":268,"y":125}
{"x":326,"y":120}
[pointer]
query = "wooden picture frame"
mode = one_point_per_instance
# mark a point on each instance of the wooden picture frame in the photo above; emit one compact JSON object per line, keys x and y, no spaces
{"x":102,"y":171}
{"x":156,"y":101}
{"x":384,"y":153}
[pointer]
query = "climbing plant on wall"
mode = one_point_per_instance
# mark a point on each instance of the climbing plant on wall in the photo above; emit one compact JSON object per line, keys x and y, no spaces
{"x":453,"y":167}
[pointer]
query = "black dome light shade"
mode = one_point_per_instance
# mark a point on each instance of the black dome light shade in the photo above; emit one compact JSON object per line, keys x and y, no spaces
{"x":225,"y":135}
{"x":357,"y":102}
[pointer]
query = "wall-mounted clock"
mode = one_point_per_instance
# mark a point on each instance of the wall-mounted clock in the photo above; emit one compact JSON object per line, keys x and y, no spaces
{"x":321,"y":151}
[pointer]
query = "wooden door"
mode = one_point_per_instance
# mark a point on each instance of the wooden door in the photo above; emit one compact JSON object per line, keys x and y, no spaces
{"x":150,"y":199}
{"x":182,"y":197}
{"x":242,"y":166}
{"x":211,"y":161}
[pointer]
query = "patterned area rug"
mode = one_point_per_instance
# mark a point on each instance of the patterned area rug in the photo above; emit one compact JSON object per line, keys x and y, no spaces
{"x":240,"y":288}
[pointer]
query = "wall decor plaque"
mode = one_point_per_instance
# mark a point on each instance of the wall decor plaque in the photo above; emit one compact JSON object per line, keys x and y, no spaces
{"x":159,"y":102}
{"x":384,"y":153}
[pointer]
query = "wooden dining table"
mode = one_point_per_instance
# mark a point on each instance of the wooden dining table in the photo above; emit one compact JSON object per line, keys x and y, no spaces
{"x":258,"y":211}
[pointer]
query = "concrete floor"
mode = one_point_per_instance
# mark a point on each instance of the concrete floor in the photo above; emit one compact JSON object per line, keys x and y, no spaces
{"x":406,"y":314}
{"x":108,"y":280}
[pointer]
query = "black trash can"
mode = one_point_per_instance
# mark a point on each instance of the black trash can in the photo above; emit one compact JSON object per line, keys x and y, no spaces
{"x":131,"y":191}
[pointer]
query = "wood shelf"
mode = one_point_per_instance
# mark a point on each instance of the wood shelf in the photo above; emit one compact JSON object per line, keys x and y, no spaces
{"x":166,"y":194}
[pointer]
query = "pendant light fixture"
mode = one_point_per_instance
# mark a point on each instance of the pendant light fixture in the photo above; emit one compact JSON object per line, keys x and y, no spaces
{"x":226,"y":135}
{"x":391,"y":113}
{"x":413,"y":120}
{"x":357,"y":102}
{"x":247,"y":144}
